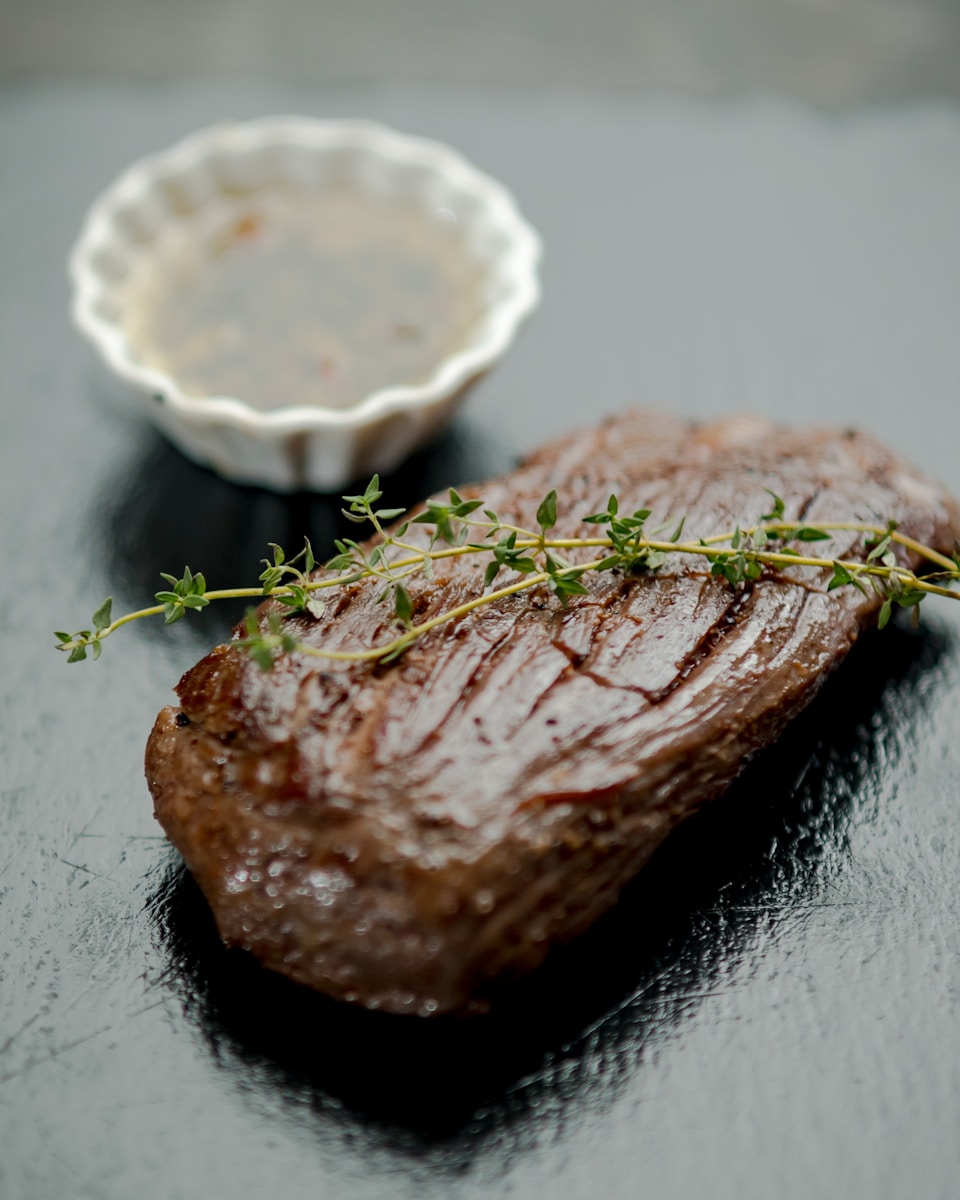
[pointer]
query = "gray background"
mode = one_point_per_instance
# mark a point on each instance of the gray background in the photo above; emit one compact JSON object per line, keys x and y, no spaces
{"x":829,"y":51}
{"x":745,"y":206}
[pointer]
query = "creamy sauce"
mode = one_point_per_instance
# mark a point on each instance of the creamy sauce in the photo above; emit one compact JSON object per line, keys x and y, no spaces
{"x":287,"y":297}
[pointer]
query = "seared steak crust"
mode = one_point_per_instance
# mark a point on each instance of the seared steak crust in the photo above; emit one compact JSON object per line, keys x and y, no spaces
{"x":401,"y":836}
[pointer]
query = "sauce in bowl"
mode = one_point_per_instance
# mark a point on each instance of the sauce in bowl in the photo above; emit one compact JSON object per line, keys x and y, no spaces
{"x":285,"y":297}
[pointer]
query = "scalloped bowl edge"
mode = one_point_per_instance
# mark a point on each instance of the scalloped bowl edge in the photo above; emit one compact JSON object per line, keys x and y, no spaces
{"x":298,"y":446}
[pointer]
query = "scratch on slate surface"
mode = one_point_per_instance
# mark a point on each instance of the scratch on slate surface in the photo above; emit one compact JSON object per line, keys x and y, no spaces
{"x":88,"y":870}
{"x":23,"y":1028}
{"x":90,"y":820}
{"x":30,"y":1064}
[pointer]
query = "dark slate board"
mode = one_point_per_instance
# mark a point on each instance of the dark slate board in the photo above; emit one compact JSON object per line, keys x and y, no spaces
{"x":773,"y":1009}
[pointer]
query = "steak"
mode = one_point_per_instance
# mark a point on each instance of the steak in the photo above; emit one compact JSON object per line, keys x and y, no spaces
{"x":401,"y":836}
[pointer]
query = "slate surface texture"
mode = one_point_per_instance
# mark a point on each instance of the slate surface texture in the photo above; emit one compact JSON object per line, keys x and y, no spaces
{"x":774,"y":1009}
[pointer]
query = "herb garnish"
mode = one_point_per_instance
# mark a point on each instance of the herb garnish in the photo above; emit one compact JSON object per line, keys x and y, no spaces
{"x":530,"y":559}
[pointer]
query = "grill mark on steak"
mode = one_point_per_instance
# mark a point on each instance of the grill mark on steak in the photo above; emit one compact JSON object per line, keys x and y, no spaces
{"x":402,"y":836}
{"x":807,"y":505}
{"x":506,"y":665}
{"x":707,"y":644}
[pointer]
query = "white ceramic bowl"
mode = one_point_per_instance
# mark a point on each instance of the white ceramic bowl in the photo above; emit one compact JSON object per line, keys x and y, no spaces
{"x":301,"y":446}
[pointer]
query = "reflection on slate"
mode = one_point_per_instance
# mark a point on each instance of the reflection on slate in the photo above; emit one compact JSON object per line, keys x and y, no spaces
{"x":571,"y":1036}
{"x":167,"y":512}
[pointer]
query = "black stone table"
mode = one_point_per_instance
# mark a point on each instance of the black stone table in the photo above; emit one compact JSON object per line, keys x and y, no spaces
{"x":774,"y":1009}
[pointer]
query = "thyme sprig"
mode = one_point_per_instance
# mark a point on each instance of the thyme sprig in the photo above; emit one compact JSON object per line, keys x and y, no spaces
{"x":530,"y":559}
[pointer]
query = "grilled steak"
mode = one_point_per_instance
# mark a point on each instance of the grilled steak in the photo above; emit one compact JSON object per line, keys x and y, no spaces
{"x":400,"y":836}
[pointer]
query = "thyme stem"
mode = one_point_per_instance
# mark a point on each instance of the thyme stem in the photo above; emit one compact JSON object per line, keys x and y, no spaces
{"x":417,"y":631}
{"x":737,"y":555}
